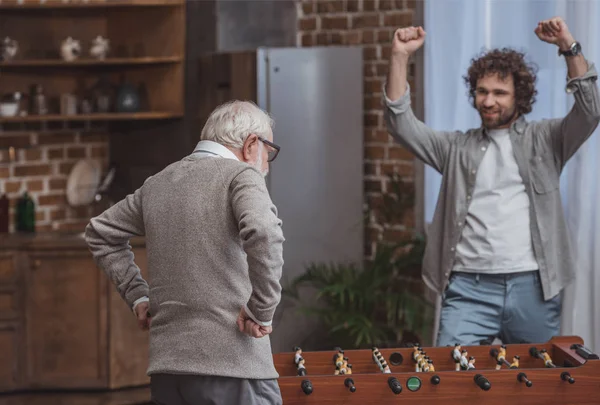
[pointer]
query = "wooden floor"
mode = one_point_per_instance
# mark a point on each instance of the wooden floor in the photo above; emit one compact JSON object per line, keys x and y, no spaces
{"x":133,"y":396}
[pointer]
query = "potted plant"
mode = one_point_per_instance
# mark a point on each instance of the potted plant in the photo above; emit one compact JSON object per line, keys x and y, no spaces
{"x":377,"y":303}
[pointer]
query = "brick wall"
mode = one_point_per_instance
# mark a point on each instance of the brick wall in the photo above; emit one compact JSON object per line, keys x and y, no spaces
{"x":369,"y":24}
{"x":40,"y":165}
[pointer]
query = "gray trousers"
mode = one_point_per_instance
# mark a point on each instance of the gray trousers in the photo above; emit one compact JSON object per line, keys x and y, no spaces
{"x":510,"y":307}
{"x":176,"y":389}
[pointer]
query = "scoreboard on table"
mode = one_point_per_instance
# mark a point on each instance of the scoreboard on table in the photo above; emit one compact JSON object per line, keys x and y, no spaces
{"x":559,"y":372}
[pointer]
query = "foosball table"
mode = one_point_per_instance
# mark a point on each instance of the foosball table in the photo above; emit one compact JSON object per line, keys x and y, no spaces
{"x":560,"y":372}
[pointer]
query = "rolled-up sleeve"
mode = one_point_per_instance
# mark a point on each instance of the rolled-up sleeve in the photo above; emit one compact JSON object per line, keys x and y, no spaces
{"x":569,"y":133}
{"x":430,"y":146}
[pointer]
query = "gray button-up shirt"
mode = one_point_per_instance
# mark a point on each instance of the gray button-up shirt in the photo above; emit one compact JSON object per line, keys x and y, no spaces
{"x":541,"y":149}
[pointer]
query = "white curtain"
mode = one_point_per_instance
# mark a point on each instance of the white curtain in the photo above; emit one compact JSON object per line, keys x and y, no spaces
{"x":458,"y":30}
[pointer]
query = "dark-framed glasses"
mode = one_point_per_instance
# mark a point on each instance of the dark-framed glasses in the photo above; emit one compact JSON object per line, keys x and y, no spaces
{"x":273,"y":149}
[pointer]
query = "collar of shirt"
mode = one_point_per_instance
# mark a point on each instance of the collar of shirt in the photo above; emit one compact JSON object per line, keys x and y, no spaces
{"x":211,"y":148}
{"x":518,"y":126}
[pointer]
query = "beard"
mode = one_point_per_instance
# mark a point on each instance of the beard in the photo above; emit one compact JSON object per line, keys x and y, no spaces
{"x":257,"y":164}
{"x":500,"y":119}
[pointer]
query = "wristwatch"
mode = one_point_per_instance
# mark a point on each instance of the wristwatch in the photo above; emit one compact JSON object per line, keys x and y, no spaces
{"x":574,"y":50}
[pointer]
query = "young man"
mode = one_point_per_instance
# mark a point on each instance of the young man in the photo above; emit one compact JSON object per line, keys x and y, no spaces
{"x":498,"y":250}
{"x":215,"y":257}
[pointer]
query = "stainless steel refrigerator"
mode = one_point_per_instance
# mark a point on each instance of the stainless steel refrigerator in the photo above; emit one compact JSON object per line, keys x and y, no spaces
{"x":315,"y":96}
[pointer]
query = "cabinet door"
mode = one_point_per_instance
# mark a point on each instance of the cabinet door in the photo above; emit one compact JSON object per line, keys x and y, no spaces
{"x":11,"y":348}
{"x":66,"y":316}
{"x":9,"y":291}
{"x":9,"y":355}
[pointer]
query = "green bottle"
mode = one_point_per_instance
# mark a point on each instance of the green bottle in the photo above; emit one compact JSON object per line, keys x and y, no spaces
{"x":25,"y":214}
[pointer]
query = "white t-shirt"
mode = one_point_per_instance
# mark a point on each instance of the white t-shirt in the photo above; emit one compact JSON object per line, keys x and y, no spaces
{"x":496,"y":237}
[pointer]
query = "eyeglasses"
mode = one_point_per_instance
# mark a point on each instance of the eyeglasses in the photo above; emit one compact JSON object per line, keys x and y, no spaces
{"x":274,"y":149}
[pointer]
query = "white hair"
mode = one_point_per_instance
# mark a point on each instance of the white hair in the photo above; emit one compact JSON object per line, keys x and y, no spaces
{"x":231,"y":123}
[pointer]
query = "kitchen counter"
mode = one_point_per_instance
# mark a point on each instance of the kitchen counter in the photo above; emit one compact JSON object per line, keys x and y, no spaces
{"x":49,"y":241}
{"x":63,"y":325}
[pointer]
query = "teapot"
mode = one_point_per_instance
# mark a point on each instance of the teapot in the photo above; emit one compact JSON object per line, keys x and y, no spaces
{"x":100,"y":47}
{"x":9,"y":49}
{"x":70,"y":49}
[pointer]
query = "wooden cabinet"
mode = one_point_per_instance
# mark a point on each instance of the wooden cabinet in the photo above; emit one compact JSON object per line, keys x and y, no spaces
{"x":147,"y":52}
{"x":11,"y":357}
{"x":63,"y":325}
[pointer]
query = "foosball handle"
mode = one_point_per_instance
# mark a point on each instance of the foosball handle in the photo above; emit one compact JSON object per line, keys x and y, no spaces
{"x":395,"y":385}
{"x":522,"y":377}
{"x":584,"y":352}
{"x":534,"y":352}
{"x":435,"y":380}
{"x":482,"y":382}
{"x":307,"y":387}
{"x":349,"y":382}
{"x":566,"y":376}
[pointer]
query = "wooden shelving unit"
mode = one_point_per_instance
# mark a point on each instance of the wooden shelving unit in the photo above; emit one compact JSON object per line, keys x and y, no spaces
{"x":47,"y":4}
{"x":92,"y":117}
{"x":90,"y":62}
{"x":147,"y":51}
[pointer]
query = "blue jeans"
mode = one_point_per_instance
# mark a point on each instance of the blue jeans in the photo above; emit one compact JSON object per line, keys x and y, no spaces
{"x":511,"y":307}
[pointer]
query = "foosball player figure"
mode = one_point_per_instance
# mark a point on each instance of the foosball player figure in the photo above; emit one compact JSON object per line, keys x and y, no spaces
{"x":298,"y":354}
{"x":425,"y":365}
{"x":422,"y":363}
{"x":515,"y":362}
{"x":385,"y":368}
{"x":339,"y":359}
{"x":344,"y":366}
{"x":464,"y":360}
{"x":349,"y":369}
{"x":547,"y":360}
{"x":416,"y":352}
{"x":471,"y":365}
{"x":380,"y":362}
{"x":301,"y":368}
{"x":501,"y":357}
{"x":430,"y":366}
{"x":419,"y":360}
{"x":337,"y":370}
{"x":456,"y":356}
{"x":502,"y":352}
{"x":376,"y":354}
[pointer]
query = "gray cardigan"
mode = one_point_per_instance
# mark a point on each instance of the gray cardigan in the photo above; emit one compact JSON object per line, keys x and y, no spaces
{"x":214,"y":244}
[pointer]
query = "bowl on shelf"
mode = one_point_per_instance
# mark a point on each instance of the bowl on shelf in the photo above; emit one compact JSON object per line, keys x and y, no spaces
{"x":9,"y":109}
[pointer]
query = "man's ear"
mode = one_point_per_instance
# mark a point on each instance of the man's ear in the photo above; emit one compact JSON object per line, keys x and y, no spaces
{"x":249,"y":147}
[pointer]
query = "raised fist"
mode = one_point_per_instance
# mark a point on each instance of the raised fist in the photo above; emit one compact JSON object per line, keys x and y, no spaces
{"x":554,"y":31}
{"x":408,"y":40}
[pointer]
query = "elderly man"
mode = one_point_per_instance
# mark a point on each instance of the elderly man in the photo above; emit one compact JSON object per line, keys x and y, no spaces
{"x":215,"y":257}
